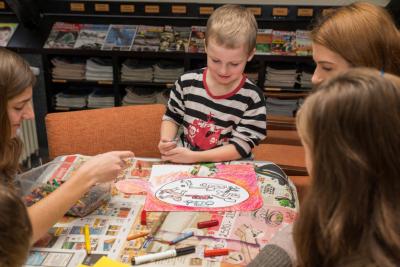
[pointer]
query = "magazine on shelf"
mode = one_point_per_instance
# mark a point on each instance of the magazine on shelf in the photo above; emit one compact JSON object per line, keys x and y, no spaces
{"x":120,"y":37}
{"x":63,"y":35}
{"x":197,"y":39}
{"x":148,"y":38}
{"x":283,"y":43}
{"x":303,"y":43}
{"x":175,"y":39}
{"x":264,"y":41}
{"x":91,"y":36}
{"x":6,"y":32}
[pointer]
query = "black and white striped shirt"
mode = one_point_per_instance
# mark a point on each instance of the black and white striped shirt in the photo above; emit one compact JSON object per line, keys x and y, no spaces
{"x":237,"y":118}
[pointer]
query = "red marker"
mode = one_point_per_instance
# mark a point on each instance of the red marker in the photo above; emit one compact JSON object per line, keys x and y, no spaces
{"x":143,"y":219}
{"x":216,"y":252}
{"x":207,"y":224}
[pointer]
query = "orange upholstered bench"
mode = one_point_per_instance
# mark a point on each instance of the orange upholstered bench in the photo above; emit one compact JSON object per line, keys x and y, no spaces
{"x":89,"y":132}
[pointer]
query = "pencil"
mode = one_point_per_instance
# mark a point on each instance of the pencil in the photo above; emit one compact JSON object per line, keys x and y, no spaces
{"x":87,"y":239}
{"x":136,"y":236}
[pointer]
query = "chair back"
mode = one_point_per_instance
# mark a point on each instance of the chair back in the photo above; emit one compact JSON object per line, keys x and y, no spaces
{"x":90,"y":132}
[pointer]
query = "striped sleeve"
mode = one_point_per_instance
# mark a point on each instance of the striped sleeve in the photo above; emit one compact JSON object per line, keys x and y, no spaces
{"x":252,"y":128}
{"x":175,"y":108}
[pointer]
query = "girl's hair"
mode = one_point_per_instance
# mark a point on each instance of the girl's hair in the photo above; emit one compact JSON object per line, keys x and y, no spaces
{"x":15,"y":229}
{"x":232,"y":26}
{"x":15,"y":77}
{"x":350,"y":216}
{"x":364,"y":34}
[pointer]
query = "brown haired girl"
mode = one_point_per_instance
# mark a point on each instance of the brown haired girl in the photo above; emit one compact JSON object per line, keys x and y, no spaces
{"x":350,"y":129}
{"x":15,"y":229}
{"x":357,"y":35}
{"x":16,"y":81}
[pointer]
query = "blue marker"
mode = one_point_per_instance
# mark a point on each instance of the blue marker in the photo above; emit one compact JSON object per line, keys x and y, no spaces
{"x":182,"y":237}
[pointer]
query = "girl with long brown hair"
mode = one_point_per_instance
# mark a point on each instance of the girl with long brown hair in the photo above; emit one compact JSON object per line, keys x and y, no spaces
{"x":350,"y":129}
{"x":16,"y":229}
{"x":16,"y":82}
{"x":358,"y":35}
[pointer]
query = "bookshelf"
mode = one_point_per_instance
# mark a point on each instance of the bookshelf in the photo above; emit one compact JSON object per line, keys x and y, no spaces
{"x":160,"y":13}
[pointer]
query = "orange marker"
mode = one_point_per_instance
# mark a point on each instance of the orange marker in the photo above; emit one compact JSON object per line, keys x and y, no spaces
{"x":136,"y":236}
{"x":216,"y":252}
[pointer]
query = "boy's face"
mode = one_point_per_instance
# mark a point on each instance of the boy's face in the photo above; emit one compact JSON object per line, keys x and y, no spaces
{"x":225,"y":65}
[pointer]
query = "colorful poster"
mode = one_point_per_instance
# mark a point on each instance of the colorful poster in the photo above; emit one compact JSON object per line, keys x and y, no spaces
{"x":210,"y":187}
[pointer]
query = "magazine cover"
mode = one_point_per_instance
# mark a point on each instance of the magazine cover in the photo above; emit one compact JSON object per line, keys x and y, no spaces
{"x":182,"y":35}
{"x":120,"y":37}
{"x":167,"y":38}
{"x":283,"y":43}
{"x":6,"y":32}
{"x":303,"y":43}
{"x":148,"y":38}
{"x":63,"y":35}
{"x":175,"y":39}
{"x":264,"y":41}
{"x":197,"y":36}
{"x":91,"y":36}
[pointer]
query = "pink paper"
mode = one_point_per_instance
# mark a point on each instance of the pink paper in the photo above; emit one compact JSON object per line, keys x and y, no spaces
{"x":132,"y":186}
{"x":211,"y":187}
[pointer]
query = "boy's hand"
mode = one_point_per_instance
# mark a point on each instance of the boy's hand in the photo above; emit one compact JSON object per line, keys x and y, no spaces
{"x":180,"y":155}
{"x":166,"y":145}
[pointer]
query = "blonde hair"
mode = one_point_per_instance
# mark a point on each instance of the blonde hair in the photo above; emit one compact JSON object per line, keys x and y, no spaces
{"x":349,"y":217}
{"x":364,"y":34}
{"x":15,"y":77}
{"x":232,"y":26}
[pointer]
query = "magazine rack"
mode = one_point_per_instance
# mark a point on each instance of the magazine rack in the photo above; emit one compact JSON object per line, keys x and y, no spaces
{"x":150,"y":13}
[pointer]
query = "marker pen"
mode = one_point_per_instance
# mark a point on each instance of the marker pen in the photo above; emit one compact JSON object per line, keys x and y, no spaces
{"x":163,"y":255}
{"x":216,"y":252}
{"x":182,"y":237}
{"x":143,"y":218}
{"x":207,"y":224}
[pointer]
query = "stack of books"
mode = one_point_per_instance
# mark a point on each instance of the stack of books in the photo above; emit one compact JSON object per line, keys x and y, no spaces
{"x":139,"y":96}
{"x":137,"y":70}
{"x":282,"y":107}
{"x":72,"y":98}
{"x":101,"y":98}
{"x":99,"y":69}
{"x":68,"y":69}
{"x":167,"y":71}
{"x":280,"y":76}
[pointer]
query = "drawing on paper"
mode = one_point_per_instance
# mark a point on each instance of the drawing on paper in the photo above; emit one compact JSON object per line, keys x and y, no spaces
{"x":202,"y":192}
{"x":216,"y":187}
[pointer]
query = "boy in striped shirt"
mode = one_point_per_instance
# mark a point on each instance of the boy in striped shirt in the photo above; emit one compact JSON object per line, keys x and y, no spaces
{"x":222,"y":113}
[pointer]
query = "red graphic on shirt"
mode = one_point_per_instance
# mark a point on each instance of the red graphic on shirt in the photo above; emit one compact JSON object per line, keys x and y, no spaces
{"x":203,"y":135}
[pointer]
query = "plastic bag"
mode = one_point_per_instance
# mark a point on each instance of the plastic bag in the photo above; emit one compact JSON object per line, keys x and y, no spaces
{"x":39,"y":182}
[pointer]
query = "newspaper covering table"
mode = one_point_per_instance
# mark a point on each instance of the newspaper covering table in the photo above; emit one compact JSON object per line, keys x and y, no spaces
{"x":244,"y":233}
